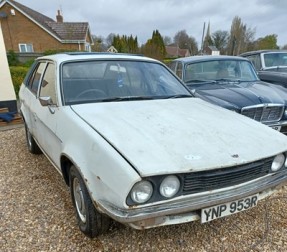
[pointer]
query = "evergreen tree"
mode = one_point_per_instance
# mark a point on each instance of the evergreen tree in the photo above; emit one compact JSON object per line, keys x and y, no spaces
{"x":155,"y":47}
{"x":125,"y":44}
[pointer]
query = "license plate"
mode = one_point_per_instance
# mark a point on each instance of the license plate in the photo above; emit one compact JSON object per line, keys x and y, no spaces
{"x":215,"y":212}
{"x":278,"y":128}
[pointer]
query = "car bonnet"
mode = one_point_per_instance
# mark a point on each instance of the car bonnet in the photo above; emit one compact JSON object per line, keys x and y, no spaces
{"x":243,"y":94}
{"x":180,"y":135}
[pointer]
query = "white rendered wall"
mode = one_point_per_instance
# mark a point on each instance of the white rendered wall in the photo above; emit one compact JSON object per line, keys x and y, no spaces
{"x":7,"y":92}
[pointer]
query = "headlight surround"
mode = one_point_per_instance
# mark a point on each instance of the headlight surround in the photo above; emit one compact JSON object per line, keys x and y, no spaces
{"x":142,"y":192}
{"x":169,"y":186}
{"x":278,"y":162}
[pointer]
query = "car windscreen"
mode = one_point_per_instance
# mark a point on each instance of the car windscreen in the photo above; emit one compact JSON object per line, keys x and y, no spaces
{"x":118,"y":80}
{"x":214,"y":70}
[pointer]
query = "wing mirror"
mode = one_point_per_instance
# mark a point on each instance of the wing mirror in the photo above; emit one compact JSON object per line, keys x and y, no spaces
{"x":45,"y":101}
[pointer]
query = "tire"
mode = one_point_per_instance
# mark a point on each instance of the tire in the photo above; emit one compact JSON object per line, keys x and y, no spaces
{"x":91,"y":222}
{"x":32,"y":145}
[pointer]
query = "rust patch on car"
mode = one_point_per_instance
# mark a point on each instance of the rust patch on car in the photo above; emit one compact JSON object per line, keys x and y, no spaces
{"x":132,"y":207}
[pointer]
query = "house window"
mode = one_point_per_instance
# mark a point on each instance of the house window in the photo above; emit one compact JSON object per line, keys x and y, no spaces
{"x":26,"y":48}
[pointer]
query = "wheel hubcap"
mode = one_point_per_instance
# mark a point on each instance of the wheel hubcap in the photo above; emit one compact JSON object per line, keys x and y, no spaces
{"x":79,"y":200}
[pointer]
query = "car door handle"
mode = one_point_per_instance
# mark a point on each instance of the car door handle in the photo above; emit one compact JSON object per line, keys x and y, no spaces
{"x":51,"y":109}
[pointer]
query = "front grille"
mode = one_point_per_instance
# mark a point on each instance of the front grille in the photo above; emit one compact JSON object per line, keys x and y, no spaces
{"x":197,"y":182}
{"x":264,"y":113}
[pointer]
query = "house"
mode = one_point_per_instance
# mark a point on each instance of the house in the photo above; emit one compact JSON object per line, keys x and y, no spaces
{"x":112,"y":49}
{"x":176,"y":52}
{"x":26,"y":30}
{"x":211,"y":50}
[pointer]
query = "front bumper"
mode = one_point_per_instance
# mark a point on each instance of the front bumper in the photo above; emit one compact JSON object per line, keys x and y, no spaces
{"x":187,"y":208}
{"x":279,"y":126}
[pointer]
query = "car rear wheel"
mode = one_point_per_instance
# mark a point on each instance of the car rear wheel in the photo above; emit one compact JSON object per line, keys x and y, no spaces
{"x":90,"y":221}
{"x":32,"y":145}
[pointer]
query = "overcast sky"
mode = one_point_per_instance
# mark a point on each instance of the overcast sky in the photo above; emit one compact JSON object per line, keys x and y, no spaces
{"x":140,"y":17}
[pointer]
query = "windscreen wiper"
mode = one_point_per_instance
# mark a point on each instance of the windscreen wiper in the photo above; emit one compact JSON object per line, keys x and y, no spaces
{"x":176,"y":96}
{"x":227,"y":80}
{"x":198,"y":81}
{"x":126,"y":98}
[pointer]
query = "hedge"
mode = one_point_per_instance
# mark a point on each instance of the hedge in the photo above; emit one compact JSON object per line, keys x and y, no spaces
{"x":18,"y":74}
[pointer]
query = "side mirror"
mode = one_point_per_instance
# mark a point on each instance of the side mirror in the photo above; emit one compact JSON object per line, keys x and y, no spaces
{"x":45,"y":101}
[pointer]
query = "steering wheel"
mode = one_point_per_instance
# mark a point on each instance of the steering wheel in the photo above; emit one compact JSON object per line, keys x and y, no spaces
{"x":92,"y":93}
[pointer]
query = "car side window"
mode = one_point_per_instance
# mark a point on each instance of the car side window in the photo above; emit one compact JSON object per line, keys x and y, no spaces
{"x":48,"y":85}
{"x":179,"y":70}
{"x":255,"y":59}
{"x":173,"y":66}
{"x":34,"y":81}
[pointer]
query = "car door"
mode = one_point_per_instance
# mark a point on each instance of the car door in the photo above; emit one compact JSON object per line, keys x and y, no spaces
{"x":29,"y":96}
{"x":46,"y":113}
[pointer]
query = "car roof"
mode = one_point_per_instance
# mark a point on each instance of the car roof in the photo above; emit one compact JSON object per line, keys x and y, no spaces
{"x":208,"y":58}
{"x":75,"y":56}
{"x":263,"y":51}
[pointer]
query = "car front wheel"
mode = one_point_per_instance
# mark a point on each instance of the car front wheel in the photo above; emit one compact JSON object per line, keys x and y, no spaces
{"x":90,"y":221}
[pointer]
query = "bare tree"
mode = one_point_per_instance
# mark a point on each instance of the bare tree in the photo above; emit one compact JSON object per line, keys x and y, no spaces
{"x":220,"y":40}
{"x":167,"y":40}
{"x":240,"y":36}
{"x":183,"y":41}
{"x":110,"y":39}
{"x":99,"y":45}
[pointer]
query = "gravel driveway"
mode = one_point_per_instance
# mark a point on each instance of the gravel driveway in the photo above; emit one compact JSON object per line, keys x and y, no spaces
{"x":36,"y":214}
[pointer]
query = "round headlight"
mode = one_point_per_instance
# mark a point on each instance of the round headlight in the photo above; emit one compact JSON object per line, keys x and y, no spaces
{"x":141,"y":192}
{"x":169,"y":186}
{"x":277,"y":162}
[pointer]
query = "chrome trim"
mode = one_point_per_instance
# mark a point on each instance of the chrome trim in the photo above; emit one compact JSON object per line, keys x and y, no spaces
{"x":189,"y":203}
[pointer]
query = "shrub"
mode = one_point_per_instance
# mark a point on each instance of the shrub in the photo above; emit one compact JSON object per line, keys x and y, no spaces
{"x":12,"y":58}
{"x":18,"y":74}
{"x":56,"y":51}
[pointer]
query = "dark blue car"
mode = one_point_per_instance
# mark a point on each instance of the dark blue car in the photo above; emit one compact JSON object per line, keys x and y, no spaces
{"x":232,"y":82}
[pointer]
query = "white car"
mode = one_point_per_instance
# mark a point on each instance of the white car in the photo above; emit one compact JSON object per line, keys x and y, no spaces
{"x":135,"y":146}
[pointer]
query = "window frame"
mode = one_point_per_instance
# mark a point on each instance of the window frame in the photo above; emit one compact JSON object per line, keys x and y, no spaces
{"x":26,"y":46}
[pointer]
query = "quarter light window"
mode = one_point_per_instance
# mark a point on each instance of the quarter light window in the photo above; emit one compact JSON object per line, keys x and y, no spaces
{"x":48,"y":85}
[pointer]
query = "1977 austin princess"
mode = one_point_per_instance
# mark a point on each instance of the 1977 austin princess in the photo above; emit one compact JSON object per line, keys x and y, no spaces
{"x":135,"y":146}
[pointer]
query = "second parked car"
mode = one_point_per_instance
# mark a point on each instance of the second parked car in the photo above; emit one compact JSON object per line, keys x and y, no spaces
{"x":231,"y":82}
{"x":271,"y":65}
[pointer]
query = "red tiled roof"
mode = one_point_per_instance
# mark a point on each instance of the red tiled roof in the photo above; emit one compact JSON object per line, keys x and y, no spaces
{"x":174,"y":51}
{"x":69,"y":31}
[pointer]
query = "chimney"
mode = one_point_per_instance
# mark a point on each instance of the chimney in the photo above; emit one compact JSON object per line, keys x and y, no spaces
{"x":59,"y":17}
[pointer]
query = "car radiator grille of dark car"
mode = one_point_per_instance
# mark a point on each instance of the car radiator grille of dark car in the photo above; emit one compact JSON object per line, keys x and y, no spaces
{"x":264,"y":113}
{"x":215,"y":179}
